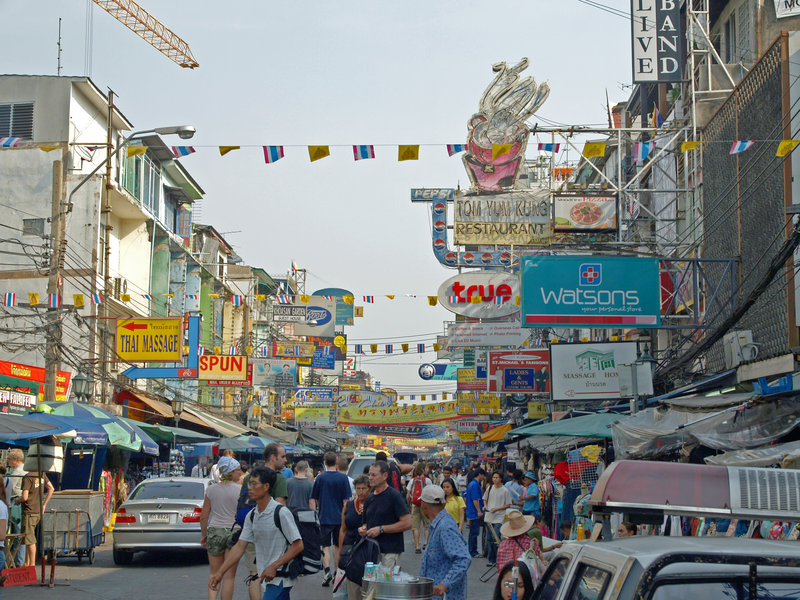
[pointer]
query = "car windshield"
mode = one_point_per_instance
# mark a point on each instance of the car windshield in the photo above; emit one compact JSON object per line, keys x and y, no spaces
{"x":727,"y":590}
{"x":168,"y":490}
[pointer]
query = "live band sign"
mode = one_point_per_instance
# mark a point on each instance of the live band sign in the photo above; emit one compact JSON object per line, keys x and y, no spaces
{"x":656,"y":40}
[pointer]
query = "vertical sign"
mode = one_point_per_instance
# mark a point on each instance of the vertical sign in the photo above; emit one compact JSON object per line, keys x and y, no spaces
{"x":656,"y":40}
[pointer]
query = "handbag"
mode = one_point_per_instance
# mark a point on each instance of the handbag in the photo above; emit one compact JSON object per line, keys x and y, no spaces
{"x":353,"y":559}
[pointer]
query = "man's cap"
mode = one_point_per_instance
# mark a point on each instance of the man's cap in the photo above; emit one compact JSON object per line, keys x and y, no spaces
{"x":531,"y":475}
{"x":432,"y":494}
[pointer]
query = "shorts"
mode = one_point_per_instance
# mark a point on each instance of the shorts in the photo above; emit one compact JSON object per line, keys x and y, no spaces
{"x":218,"y":540}
{"x":330,"y":535}
{"x":29,"y":523}
{"x":390,"y":560}
{"x":250,"y":558}
{"x":418,"y":518}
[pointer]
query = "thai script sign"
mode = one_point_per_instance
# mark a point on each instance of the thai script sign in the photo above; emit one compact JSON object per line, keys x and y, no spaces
{"x":471,"y":403}
{"x":521,"y":218}
{"x":399,"y":415}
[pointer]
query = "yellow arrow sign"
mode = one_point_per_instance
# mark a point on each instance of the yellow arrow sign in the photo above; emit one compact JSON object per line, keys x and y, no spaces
{"x":149,"y":340}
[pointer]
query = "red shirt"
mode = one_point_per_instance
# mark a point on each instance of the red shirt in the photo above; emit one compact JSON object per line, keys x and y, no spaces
{"x":511,"y":549}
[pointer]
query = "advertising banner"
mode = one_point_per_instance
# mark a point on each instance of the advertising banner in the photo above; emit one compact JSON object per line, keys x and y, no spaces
{"x":247,"y":382}
{"x":149,"y":340}
{"x":591,"y":291}
{"x":322,"y":312}
{"x":519,"y":371}
{"x":783,"y":9}
{"x":486,"y":334}
{"x":497,"y":291}
{"x":215,"y":367}
{"x":589,"y":371}
{"x":29,"y":379}
{"x":274,"y":372}
{"x":399,"y":415}
{"x":537,"y":410}
{"x":320,"y":360}
{"x":656,"y":41}
{"x":405,"y":431}
{"x":344,"y":310}
{"x":314,"y":416}
{"x":293,"y":313}
{"x":471,"y":403}
{"x":297,"y":350}
{"x":305,"y":395}
{"x":338,"y":350}
{"x":363,"y":399}
{"x":468,"y":381}
{"x":431,"y":194}
{"x":16,"y":403}
{"x":519,"y":218}
{"x":576,"y":212}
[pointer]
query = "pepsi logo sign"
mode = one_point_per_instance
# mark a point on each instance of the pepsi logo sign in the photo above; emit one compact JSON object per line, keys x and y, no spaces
{"x":497,"y":290}
{"x":486,"y":258}
{"x":440,"y":244}
{"x":468,"y":258}
{"x":450,"y":258}
{"x":439,"y":226}
{"x":505,"y":259}
{"x":439,"y":208}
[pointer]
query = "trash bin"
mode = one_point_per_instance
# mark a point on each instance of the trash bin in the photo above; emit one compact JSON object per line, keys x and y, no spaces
{"x":421,"y":589}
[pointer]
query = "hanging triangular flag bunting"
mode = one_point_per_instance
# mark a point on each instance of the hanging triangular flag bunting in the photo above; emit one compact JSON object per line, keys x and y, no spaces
{"x":433,"y":300}
{"x":359,"y":349}
{"x":408,"y":152}
{"x":641,"y":150}
{"x":272,"y":154}
{"x":48,"y":148}
{"x":55,"y":300}
{"x":388,"y":348}
{"x":318,"y":152}
{"x":369,"y":299}
{"x":237,"y":300}
{"x":594,"y":149}
{"x":475,"y":299}
{"x":223,"y":150}
{"x":436,"y":347}
{"x":363,"y":152}
{"x":740,"y":146}
{"x":179,"y":151}
{"x":373,"y":348}
{"x":305,"y":298}
{"x":686,"y":146}
{"x":348,"y":299}
{"x":549,"y":147}
{"x":455,"y":149}
{"x":9,"y":142}
{"x":136,"y":150}
{"x":499,"y":150}
{"x":786,"y":146}
{"x":125,"y":297}
{"x":421,"y":348}
{"x":404,"y":347}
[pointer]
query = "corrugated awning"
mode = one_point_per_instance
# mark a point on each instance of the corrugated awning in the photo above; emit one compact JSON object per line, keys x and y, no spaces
{"x":155,"y":408}
{"x":225,"y":427}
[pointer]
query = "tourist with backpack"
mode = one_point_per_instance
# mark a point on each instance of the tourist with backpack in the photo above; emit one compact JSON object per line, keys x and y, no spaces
{"x":331,"y":490}
{"x":419,"y":523}
{"x":386,"y":515}
{"x":396,"y":471}
{"x":276,"y":538}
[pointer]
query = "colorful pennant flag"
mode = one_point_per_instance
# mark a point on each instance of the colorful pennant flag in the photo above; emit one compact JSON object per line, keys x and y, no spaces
{"x":33,"y":299}
{"x":358,"y":311}
{"x":373,"y":348}
{"x":55,"y":300}
{"x":452,"y":299}
{"x":282,"y":299}
{"x":500,"y":300}
{"x":786,"y":146}
{"x":359,"y":349}
{"x":179,"y":151}
{"x":150,"y":297}
{"x":215,"y":296}
{"x":432,"y":300}
{"x":408,"y":152}
{"x":217,"y":350}
{"x":191,"y":296}
{"x":436,"y":347}
{"x":594,"y":149}
{"x":686,"y":146}
{"x":261,"y":297}
{"x":740,"y":146}
{"x":549,"y":147}
{"x":237,"y":300}
{"x":9,"y":142}
{"x":297,"y":350}
{"x":168,"y":294}
{"x":272,"y":154}
{"x":420,"y":348}
{"x":499,"y":150}
{"x":455,"y":149}
{"x":390,"y":296}
{"x":475,"y":299}
{"x":348,"y":299}
{"x":223,"y":150}
{"x":389,"y":348}
{"x":10,"y":299}
{"x":318,"y":152}
{"x":305,"y":298}
{"x":97,"y":299}
{"x":363,"y":152}
{"x":369,"y":299}
{"x":125,"y":297}
{"x":641,"y":150}
{"x":516,"y":301}
{"x":656,"y":120}
{"x":404,"y":347}
{"x":136,"y":150}
{"x":48,"y":148}
{"x":327,"y":351}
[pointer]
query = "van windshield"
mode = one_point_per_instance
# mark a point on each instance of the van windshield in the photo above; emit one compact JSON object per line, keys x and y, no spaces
{"x":727,"y":590}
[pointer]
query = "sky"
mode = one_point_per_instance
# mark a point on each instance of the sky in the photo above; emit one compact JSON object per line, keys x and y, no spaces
{"x":316,"y":72}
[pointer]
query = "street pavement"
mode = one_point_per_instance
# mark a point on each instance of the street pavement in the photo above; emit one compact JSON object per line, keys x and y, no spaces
{"x":184,"y":576}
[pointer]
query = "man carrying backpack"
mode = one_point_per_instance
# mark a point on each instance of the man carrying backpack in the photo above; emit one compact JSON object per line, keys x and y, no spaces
{"x":395,"y":471}
{"x":276,"y":545}
{"x":419,"y":523}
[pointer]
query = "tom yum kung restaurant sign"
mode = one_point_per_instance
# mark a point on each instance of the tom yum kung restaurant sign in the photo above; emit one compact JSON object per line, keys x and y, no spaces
{"x":655,"y":29}
{"x":521,"y":218}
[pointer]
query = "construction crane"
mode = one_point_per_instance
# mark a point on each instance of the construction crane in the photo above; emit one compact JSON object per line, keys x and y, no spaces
{"x":150,"y":29}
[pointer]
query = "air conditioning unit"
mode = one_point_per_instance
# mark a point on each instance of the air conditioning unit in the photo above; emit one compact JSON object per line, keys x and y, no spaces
{"x":738,"y":347}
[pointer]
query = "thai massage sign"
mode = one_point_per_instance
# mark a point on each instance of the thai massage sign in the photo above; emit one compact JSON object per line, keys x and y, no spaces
{"x":521,"y":218}
{"x":399,"y":415}
{"x":655,"y":28}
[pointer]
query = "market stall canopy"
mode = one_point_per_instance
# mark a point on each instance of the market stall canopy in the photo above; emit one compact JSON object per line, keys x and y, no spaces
{"x":120,"y":434}
{"x":596,"y":425}
{"x":280,"y":435}
{"x":316,"y":438}
{"x":226,"y":427}
{"x":785,"y":455}
{"x":496,"y":434}
{"x":16,"y":427}
{"x":86,"y":433}
{"x":242,"y":443}
{"x":140,"y":407}
{"x":165,"y":433}
{"x":551,"y":443}
{"x":747,"y":422}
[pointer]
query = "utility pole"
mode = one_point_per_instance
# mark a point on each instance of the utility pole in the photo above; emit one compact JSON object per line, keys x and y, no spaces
{"x":55,"y":284}
{"x":106,"y":229}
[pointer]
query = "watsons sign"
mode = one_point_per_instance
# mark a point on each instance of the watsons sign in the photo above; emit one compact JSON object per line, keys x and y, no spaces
{"x":521,"y":218}
{"x":590,"y":291}
{"x":497,"y":291}
{"x":656,"y":40}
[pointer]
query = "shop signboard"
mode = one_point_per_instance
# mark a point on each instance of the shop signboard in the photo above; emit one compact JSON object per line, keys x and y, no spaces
{"x":344,"y":310}
{"x":584,"y":213}
{"x":519,"y":371}
{"x":591,"y":291}
{"x":28,"y":379}
{"x":518,"y":218}
{"x":431,"y":194}
{"x":338,"y":350}
{"x":216,"y":367}
{"x":475,"y":403}
{"x":468,"y":381}
{"x":305,"y":395}
{"x":320,"y":318}
{"x":274,"y":372}
{"x":16,"y":403}
{"x":486,"y":334}
{"x":413,"y":414}
{"x":589,"y":371}
{"x":320,"y":360}
{"x":537,"y":410}
{"x":314,"y":416}
{"x":656,"y":41}
{"x":247,"y":382}
{"x":497,"y":291}
{"x":289,"y":313}
{"x":149,"y":340}
{"x":297,"y":350}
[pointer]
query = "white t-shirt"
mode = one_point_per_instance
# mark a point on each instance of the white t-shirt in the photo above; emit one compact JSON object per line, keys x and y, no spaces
{"x":3,"y":517}
{"x":269,"y":542}
{"x":461,"y":483}
{"x":410,"y":485}
{"x":494,"y":498}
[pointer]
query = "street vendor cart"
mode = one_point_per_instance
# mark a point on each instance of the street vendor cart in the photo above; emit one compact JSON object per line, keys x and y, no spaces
{"x":73,"y":524}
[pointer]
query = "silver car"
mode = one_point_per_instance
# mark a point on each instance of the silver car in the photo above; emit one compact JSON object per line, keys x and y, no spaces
{"x":160,"y":513}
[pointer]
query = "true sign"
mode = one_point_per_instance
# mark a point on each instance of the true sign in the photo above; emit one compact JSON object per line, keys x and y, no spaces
{"x":149,"y":340}
{"x":227,"y":368}
{"x":656,"y":40}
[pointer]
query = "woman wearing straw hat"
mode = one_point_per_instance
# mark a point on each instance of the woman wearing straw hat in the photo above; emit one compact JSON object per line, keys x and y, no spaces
{"x":517,"y":541}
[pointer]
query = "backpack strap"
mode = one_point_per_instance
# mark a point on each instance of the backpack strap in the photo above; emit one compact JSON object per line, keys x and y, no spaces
{"x":278,"y":521}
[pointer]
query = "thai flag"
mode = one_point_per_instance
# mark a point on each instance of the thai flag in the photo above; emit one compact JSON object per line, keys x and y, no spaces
{"x":421,"y":348}
{"x":359,"y":349}
{"x":571,"y":340}
{"x":10,"y":299}
{"x":9,"y":142}
{"x":598,"y":339}
{"x":273,"y":154}
{"x":55,"y":300}
{"x":147,"y":296}
{"x":388,"y":348}
{"x":452,"y":299}
{"x":329,"y":298}
{"x":641,"y":150}
{"x":369,"y":299}
{"x":413,"y":397}
{"x":93,"y":148}
{"x":264,"y":351}
{"x":297,"y":350}
{"x":500,"y":300}
{"x":283,"y":299}
{"x":232,"y":350}
{"x":549,"y":147}
{"x":434,"y":399}
{"x":538,"y":341}
{"x":363,"y":152}
{"x":97,"y":299}
{"x":237,"y":300}
{"x":326,"y":351}
{"x":179,"y":151}
{"x":201,"y":351}
{"x":455,"y":148}
{"x":740,"y":146}
{"x":191,"y":296}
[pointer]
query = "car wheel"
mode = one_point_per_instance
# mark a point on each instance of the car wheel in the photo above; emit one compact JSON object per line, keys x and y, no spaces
{"x":122,"y":557}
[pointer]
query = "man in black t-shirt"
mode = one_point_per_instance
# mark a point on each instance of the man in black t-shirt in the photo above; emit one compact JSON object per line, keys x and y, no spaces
{"x":386,"y":515}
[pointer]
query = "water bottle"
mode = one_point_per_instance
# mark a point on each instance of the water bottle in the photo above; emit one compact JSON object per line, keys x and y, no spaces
{"x":579,"y":531}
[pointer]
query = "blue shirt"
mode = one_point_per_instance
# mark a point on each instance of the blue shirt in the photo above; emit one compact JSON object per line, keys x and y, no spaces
{"x":515,"y":490}
{"x":446,"y":558}
{"x":287,"y":473}
{"x":473,"y":493}
{"x":330,"y":490}
{"x":532,"y":504}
